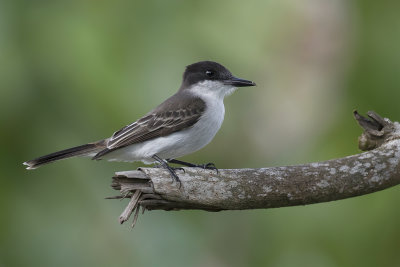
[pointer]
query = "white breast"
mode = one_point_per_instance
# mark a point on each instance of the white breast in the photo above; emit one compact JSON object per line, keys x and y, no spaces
{"x":196,"y":137}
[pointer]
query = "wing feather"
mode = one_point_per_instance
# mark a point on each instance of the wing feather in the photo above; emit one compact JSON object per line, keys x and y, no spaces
{"x":164,"y":120}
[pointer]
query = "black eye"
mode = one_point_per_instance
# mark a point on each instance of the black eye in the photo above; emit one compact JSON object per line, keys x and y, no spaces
{"x":209,"y":73}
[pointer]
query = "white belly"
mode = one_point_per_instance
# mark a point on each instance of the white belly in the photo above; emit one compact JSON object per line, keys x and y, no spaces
{"x":177,"y":144}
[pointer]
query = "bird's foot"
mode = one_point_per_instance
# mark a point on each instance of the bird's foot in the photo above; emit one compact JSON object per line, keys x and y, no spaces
{"x":158,"y":165}
{"x":178,"y":169}
{"x":207,"y":166}
{"x":174,"y":176}
{"x":162,"y":164}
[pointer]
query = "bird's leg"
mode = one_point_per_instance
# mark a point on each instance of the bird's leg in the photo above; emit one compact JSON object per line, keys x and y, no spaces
{"x":159,"y":165}
{"x":208,"y":166}
{"x":168,"y":168}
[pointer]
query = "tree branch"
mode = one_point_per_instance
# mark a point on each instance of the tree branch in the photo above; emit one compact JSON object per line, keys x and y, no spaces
{"x":236,"y":189}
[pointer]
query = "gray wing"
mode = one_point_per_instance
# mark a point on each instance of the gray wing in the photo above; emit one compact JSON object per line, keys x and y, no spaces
{"x":175,"y":114}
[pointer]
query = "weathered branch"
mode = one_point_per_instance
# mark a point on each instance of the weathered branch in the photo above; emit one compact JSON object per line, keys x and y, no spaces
{"x":235,"y":189}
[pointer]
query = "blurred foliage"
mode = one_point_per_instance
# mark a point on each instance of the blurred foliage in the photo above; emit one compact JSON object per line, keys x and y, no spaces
{"x":75,"y":71}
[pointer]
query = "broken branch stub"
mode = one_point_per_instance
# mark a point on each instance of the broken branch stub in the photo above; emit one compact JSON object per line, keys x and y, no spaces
{"x":236,"y":189}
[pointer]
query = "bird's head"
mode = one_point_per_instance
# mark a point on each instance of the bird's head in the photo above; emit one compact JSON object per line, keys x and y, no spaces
{"x":208,"y":77}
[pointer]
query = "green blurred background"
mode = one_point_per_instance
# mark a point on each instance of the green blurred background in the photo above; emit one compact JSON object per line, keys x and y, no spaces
{"x":75,"y":71}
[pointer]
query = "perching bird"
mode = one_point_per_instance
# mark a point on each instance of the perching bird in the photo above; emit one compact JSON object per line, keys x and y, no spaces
{"x":182,"y":124}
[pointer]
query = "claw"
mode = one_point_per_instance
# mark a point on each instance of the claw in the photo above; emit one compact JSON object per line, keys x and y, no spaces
{"x":175,"y":177}
{"x":178,"y":169}
{"x":169,"y":169}
{"x":209,"y":166}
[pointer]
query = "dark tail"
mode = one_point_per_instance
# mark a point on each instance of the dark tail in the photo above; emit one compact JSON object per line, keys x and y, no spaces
{"x":83,"y":150}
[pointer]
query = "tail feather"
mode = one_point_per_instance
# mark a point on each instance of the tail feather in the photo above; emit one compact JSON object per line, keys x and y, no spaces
{"x":83,"y":150}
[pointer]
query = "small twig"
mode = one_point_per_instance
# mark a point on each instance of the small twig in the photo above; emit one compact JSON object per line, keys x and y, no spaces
{"x":135,"y":217}
{"x":130,"y":208}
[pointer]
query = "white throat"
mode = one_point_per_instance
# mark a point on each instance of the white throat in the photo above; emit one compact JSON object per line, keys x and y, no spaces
{"x":212,"y":89}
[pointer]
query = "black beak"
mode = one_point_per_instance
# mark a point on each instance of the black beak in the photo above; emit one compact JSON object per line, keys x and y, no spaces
{"x":239,"y":82}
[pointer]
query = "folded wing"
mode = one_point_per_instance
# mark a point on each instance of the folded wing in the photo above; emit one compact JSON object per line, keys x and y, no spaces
{"x":171,"y":116}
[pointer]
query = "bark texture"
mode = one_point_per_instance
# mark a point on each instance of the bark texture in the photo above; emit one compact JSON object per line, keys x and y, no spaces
{"x":236,"y":189}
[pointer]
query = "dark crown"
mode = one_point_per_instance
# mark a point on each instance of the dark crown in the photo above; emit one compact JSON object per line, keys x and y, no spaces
{"x":204,"y":70}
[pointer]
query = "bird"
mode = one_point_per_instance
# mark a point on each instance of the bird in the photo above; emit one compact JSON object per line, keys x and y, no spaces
{"x":182,"y":124}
